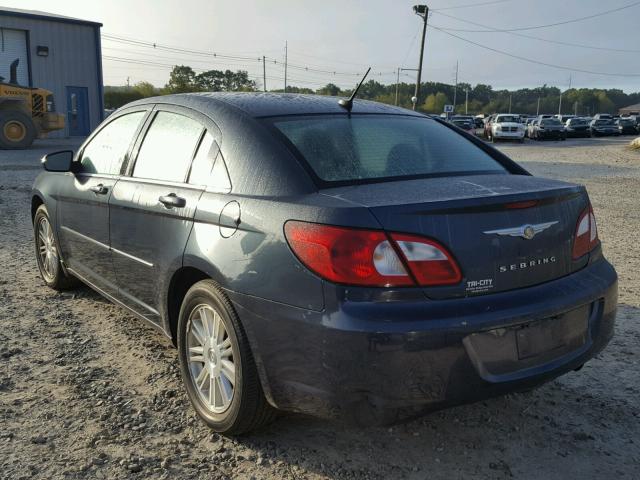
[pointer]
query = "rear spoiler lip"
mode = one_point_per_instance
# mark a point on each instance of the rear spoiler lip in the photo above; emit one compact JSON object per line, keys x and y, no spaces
{"x":494,"y":203}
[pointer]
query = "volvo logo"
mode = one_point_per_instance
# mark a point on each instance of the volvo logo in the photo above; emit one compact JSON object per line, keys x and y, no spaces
{"x":524,"y":231}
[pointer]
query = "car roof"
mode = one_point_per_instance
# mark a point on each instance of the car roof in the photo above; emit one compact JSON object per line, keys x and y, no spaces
{"x":266,"y":104}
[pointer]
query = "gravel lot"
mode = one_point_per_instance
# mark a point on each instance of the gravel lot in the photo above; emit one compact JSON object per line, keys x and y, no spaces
{"x":87,"y":391}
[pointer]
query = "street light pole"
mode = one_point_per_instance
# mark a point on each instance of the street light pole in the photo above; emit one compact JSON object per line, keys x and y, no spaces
{"x":421,"y":11}
{"x":466,"y":101}
{"x":397,"y":85}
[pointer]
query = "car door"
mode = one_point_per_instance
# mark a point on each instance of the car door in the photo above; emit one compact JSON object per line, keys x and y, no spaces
{"x":152,"y":209}
{"x":83,"y":199}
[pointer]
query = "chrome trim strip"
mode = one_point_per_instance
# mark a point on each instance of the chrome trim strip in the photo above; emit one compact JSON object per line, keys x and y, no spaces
{"x":84,"y":237}
{"x":131,"y":257}
{"x":100,"y":244}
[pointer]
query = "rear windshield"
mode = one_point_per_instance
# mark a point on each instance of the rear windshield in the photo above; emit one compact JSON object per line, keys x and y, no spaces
{"x":603,"y":122}
{"x":550,"y":121}
{"x":577,"y":121}
{"x":369,"y":147}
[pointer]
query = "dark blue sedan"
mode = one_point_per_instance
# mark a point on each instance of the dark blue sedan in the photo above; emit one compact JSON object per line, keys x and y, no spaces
{"x":367,"y":262}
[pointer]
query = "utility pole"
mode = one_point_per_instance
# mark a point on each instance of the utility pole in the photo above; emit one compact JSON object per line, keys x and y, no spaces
{"x":538,"y":109}
{"x":421,"y":11}
{"x":264,"y":74}
{"x":397,"y":85}
{"x":128,"y":82}
{"x":560,"y":103}
{"x":285,"y":65}
{"x":466,"y":101}
{"x":575,"y":108}
{"x":510,"y":102}
{"x":455,"y":90}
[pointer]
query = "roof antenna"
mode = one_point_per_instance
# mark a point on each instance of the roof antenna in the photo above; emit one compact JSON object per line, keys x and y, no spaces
{"x":348,"y":104}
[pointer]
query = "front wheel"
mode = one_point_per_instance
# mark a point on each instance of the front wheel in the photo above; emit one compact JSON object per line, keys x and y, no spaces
{"x":217,"y":365}
{"x":48,"y":253}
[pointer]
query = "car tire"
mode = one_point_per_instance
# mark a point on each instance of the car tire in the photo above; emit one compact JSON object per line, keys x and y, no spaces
{"x":17,"y":130}
{"x":230,"y":406}
{"x":48,"y":253}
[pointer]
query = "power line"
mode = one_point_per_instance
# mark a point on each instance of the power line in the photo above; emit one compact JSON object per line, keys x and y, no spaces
{"x":147,"y":44}
{"x":495,"y":30}
{"x":469,"y":5}
{"x":574,"y":20}
{"x":150,"y":63}
{"x":537,"y":62}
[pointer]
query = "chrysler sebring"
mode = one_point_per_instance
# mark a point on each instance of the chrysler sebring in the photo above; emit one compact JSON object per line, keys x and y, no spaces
{"x":350,"y":260}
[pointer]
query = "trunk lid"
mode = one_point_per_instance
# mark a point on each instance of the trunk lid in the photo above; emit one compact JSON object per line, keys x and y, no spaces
{"x":470,"y":217}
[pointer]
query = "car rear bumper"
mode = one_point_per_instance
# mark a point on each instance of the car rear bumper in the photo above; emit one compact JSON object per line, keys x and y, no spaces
{"x":377,"y":358}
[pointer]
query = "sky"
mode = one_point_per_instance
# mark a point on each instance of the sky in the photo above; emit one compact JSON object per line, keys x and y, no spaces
{"x":345,"y":37}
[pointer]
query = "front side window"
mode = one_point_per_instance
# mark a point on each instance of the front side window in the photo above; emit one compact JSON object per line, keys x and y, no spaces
{"x":168,"y":147}
{"x":106,"y":152}
{"x":365,"y":147}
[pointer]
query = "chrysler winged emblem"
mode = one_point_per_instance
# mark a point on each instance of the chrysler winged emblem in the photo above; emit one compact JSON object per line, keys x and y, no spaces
{"x":525,"y":231}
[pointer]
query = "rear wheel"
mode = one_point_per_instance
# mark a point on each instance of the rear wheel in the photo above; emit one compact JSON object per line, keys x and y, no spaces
{"x":216,"y":363}
{"x":16,"y":130}
{"x":48,"y":253}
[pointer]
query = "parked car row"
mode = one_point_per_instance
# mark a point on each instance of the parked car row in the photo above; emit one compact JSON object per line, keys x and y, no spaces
{"x":507,"y":126}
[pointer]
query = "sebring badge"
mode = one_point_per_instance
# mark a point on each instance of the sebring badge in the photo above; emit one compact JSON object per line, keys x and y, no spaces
{"x":525,"y":231}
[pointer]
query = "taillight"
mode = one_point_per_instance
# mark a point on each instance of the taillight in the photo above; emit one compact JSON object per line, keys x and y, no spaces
{"x":586,"y":236}
{"x":370,"y":257}
{"x":430,"y":263}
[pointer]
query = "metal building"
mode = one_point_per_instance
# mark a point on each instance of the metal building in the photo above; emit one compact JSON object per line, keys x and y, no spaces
{"x":58,"y":53}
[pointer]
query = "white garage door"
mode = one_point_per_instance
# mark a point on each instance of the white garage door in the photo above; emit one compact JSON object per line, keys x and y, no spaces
{"x":13,"y":45}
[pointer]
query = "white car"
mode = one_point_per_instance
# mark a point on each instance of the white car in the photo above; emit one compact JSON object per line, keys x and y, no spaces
{"x":506,"y":127}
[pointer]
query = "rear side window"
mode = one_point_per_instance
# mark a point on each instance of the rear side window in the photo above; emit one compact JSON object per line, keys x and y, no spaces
{"x":208,"y":167}
{"x":106,"y":152}
{"x":367,"y":147}
{"x":168,"y":147}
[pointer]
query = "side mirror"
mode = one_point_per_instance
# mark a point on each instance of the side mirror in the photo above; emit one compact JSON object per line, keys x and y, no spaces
{"x":58,"y":161}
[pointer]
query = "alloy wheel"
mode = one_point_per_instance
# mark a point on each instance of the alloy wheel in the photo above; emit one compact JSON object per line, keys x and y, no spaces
{"x":47,"y":250}
{"x":211,"y":359}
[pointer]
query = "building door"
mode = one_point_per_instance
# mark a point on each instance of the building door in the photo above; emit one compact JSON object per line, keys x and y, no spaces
{"x":78,"y":111}
{"x":13,"y":48}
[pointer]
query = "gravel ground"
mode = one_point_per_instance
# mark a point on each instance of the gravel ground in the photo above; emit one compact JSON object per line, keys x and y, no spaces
{"x":87,"y":391}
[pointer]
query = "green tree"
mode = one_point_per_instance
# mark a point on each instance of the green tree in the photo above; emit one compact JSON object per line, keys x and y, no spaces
{"x":329,"y":89}
{"x":145,"y":89}
{"x":210,"y":81}
{"x":182,"y":79}
{"x":435,"y":103}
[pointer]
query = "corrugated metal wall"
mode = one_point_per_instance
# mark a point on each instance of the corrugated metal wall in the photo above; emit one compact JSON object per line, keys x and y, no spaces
{"x":71,"y":62}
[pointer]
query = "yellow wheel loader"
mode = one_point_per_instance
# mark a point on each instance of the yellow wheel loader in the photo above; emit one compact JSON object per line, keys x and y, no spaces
{"x":25,"y":113}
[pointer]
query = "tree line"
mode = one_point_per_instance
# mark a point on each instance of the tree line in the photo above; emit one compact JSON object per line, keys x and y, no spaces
{"x":477,"y":99}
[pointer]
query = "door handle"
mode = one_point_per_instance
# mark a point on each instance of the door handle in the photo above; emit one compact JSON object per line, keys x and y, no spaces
{"x":172,"y":200}
{"x":99,"y":189}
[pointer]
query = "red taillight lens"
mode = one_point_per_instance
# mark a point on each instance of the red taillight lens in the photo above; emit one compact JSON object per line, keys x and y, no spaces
{"x":430,"y":263}
{"x":368,"y":257}
{"x":586,"y":236}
